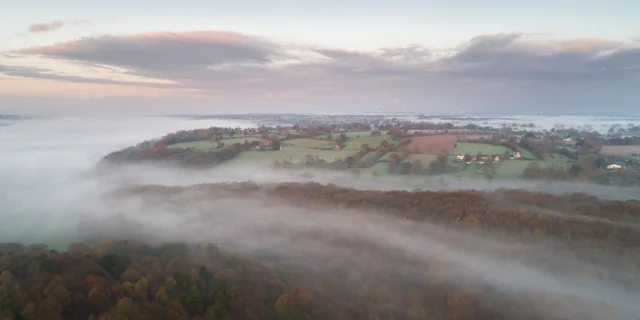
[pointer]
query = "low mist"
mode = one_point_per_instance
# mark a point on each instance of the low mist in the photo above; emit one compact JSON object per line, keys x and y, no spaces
{"x":51,"y":192}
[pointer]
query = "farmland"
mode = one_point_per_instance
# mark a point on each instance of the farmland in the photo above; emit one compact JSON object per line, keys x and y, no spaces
{"x":355,"y":143}
{"x":208,"y":145}
{"x":527,"y":154}
{"x":291,"y":153}
{"x":202,"y":145}
{"x":424,"y":149}
{"x":354,"y":140}
{"x":474,"y":148}
{"x":432,"y":144}
{"x":425,"y":158}
{"x":311,"y":143}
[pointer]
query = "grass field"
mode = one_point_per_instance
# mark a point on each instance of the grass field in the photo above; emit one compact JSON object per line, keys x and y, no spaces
{"x":362,"y":134}
{"x":207,"y":145}
{"x":473,"y":148}
{"x":291,"y":153}
{"x":425,"y":158}
{"x":554,"y":157}
{"x":527,"y":154}
{"x":513,"y":168}
{"x":309,"y":143}
{"x":355,"y":143}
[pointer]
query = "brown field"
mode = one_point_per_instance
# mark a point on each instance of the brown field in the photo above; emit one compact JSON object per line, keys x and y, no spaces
{"x":620,"y":150}
{"x":428,"y":144}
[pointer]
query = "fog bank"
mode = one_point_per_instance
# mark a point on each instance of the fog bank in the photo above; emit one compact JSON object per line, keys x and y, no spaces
{"x":49,"y":187}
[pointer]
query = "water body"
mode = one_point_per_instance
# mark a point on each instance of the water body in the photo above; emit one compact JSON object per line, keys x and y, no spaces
{"x":541,"y":122}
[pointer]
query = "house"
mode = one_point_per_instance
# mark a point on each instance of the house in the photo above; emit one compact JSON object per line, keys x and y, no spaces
{"x":496,"y":159}
{"x":614,"y":167}
{"x":617,"y":165}
{"x":517,"y":155}
{"x":338,"y":148}
{"x":569,"y":141}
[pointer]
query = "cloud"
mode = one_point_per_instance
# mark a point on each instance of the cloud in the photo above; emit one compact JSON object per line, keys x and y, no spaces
{"x":47,"y":74}
{"x":517,"y":57}
{"x":54,"y":25}
{"x":46,"y":27}
{"x":164,"y":51}
{"x":497,"y":69}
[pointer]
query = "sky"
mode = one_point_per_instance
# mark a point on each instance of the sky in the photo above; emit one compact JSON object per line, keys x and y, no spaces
{"x":312,"y":56}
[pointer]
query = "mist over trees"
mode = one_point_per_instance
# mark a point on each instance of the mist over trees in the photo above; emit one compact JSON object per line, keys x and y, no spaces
{"x":156,"y":242}
{"x":314,"y":251}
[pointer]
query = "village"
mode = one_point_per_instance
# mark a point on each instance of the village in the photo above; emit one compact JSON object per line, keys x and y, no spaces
{"x":396,"y":147}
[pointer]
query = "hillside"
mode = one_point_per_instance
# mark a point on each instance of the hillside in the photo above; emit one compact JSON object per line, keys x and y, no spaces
{"x":312,"y":251}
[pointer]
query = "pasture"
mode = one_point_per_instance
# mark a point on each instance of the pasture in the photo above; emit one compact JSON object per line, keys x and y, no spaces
{"x":354,"y":140}
{"x":291,"y":153}
{"x":310,"y":143}
{"x":355,"y":143}
{"x":208,"y":145}
{"x":527,"y":154}
{"x":558,"y":158}
{"x":432,"y":144}
{"x":425,"y":158}
{"x":474,"y":148}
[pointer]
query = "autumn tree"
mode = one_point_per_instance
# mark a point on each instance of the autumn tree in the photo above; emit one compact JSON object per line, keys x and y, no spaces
{"x":439,"y":165}
{"x":392,"y":162}
{"x":532,"y":171}
{"x":416,"y":166}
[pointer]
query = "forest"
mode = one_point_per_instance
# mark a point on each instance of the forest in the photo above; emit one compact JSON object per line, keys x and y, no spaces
{"x":574,"y":236}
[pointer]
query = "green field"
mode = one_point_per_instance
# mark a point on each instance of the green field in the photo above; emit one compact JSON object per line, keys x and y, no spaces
{"x":554,"y":157}
{"x":291,"y":153}
{"x":354,"y":142}
{"x":527,"y":154}
{"x":295,"y":151}
{"x":513,"y":168}
{"x":309,"y":143}
{"x":425,"y":158}
{"x":208,"y":145}
{"x":473,"y":148}
{"x":349,"y":135}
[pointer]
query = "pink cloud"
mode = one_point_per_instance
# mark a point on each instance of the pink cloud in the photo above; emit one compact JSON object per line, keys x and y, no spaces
{"x":46,"y":27}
